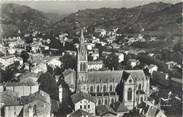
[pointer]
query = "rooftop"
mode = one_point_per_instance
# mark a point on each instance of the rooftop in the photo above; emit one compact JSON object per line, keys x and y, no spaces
{"x":80,"y":113}
{"x":114,"y":76}
{"x":80,"y":96}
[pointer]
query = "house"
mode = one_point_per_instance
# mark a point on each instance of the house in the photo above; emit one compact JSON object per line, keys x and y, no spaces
{"x":120,"y":108}
{"x":39,"y":103}
{"x":95,"y":65}
{"x":41,"y":67}
{"x":95,"y":54}
{"x":121,"y":56}
{"x":172,"y":64}
{"x":115,"y":46}
{"x":150,"y":110}
{"x":80,"y":113}
{"x":133,"y":62}
{"x":102,"y":32}
{"x":83,"y":101}
{"x":90,"y":46}
{"x":35,"y":48}
{"x":152,"y":68}
{"x":29,"y":75}
{"x":12,"y":110}
{"x":23,"y":88}
{"x":105,"y":111}
{"x":54,"y":61}
{"x":7,"y":60}
{"x":69,"y":78}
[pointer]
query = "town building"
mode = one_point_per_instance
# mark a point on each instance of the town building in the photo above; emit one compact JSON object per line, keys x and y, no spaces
{"x":120,"y":108}
{"x":83,"y":101}
{"x":34,"y":105}
{"x":95,"y":65}
{"x":150,"y":110}
{"x":105,"y":111}
{"x":23,"y":88}
{"x":102,"y":84}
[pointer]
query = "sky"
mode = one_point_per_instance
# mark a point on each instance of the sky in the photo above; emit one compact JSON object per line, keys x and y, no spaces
{"x":70,"y":6}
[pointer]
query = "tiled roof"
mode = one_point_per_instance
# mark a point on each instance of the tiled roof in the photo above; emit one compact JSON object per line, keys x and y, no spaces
{"x":23,"y":82}
{"x":39,"y":95}
{"x":94,"y":62}
{"x":101,"y":110}
{"x":68,"y":71}
{"x":114,"y":76}
{"x":9,"y":97}
{"x":81,"y":95}
{"x":80,"y":113}
{"x":120,"y":107}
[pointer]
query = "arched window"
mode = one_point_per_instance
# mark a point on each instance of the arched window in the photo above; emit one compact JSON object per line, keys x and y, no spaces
{"x":84,"y":67}
{"x":104,"y":88}
{"x":35,"y":110}
{"x":141,"y":99}
{"x":129,"y":94}
{"x":110,"y":87}
{"x":81,"y":67}
{"x":112,"y":101}
{"x":98,"y":88}
{"x":130,"y":81}
{"x":99,"y":102}
{"x":106,"y":101}
{"x":91,"y":89}
{"x":139,"y":87}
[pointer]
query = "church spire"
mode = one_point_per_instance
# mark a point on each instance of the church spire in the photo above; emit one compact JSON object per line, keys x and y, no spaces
{"x":82,"y":37}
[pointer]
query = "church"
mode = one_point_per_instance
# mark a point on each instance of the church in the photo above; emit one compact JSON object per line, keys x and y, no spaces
{"x":102,"y":84}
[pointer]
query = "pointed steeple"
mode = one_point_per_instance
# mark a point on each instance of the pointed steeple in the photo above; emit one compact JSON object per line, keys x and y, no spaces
{"x":82,"y":37}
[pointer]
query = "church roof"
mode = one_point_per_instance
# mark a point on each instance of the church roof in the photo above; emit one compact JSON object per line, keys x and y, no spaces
{"x":115,"y":76}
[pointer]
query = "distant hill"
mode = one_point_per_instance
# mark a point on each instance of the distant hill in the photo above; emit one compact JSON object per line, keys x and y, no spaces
{"x":16,"y":17}
{"x":152,"y":17}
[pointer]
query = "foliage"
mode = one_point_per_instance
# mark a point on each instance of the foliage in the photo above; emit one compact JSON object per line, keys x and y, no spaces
{"x":120,"y":89}
{"x":150,"y":60}
{"x":29,"y":39}
{"x":69,"y":61}
{"x":18,"y":17}
{"x":48,"y":84}
{"x":128,"y":20}
{"x":111,"y":61}
{"x":24,"y":55}
{"x":178,"y":47}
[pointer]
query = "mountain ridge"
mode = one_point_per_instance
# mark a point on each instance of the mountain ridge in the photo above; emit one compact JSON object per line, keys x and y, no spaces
{"x":151,"y":17}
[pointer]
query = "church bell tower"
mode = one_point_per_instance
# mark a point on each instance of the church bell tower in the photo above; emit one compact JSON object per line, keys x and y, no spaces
{"x":82,"y":63}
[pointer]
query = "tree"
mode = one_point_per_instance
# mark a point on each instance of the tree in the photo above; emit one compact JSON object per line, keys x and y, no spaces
{"x":24,"y":55}
{"x":112,"y":61}
{"x":29,"y":39}
{"x":69,"y":61}
{"x":48,"y":84}
{"x":90,"y":58}
{"x":178,"y":47}
{"x":120,"y":89}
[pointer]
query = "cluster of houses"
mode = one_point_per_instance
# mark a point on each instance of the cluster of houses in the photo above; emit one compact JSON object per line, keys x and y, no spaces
{"x":95,"y":90}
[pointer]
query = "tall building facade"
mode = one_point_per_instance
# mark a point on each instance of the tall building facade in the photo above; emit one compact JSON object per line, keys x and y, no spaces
{"x":82,"y":63}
